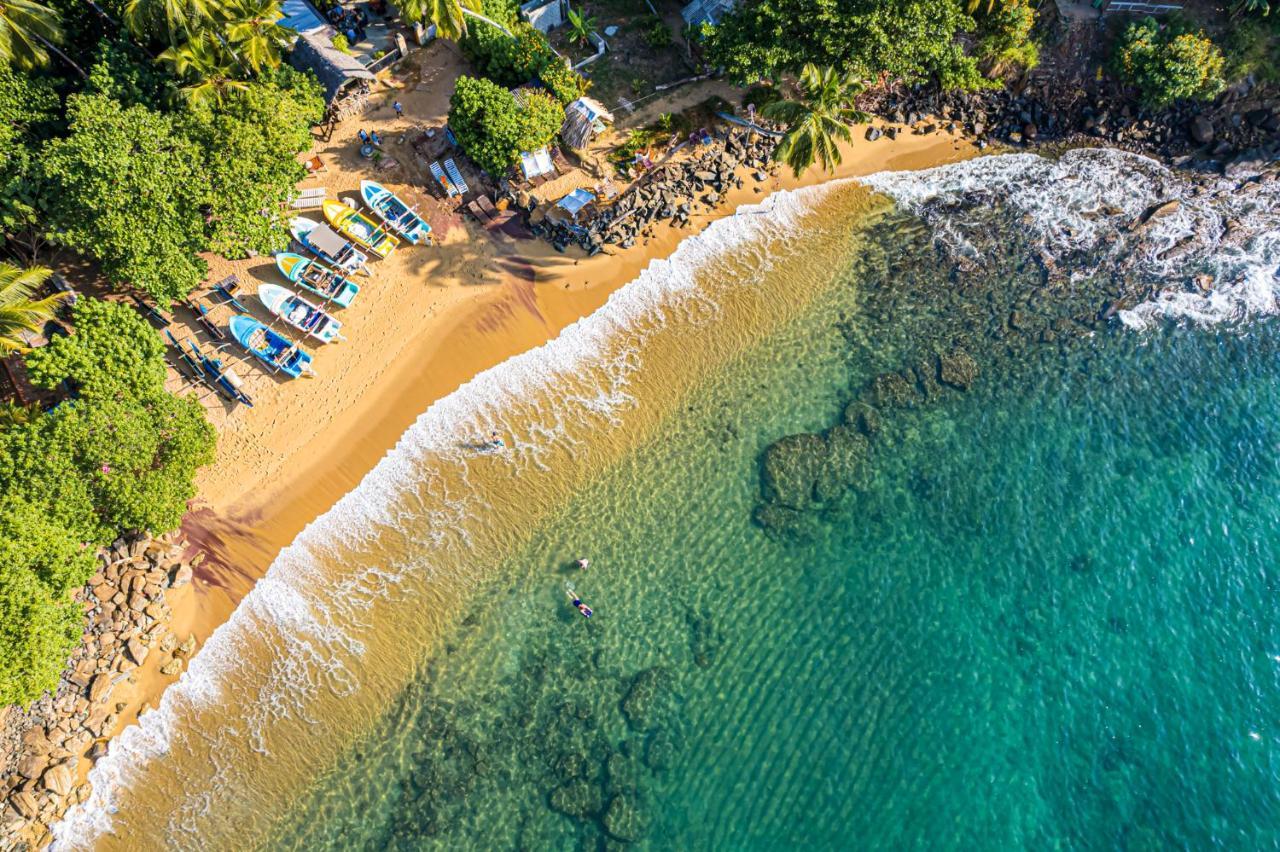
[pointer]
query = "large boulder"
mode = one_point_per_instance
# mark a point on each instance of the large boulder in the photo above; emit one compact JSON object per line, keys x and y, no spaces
{"x":782,"y":522}
{"x":957,"y":369}
{"x":59,"y":780}
{"x":792,"y":466}
{"x":862,"y":417}
{"x":579,"y":799}
{"x":626,"y":819}
{"x":1201,"y":130}
{"x":892,"y":390}
{"x":845,"y":466}
{"x":647,"y":699}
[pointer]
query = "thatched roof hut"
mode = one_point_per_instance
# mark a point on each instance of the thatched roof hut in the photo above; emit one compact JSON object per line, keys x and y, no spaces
{"x":336,"y":70}
{"x":583,"y":119}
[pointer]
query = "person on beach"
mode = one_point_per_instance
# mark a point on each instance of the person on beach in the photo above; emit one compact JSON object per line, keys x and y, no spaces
{"x":578,"y":604}
{"x":399,"y":109}
{"x":364,"y":137}
{"x":584,"y":563}
{"x":375,"y":139}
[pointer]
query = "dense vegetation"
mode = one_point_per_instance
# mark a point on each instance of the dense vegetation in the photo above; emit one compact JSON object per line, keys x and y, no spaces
{"x":518,"y":54}
{"x":1169,"y":63}
{"x":493,"y":126}
{"x":118,"y":457}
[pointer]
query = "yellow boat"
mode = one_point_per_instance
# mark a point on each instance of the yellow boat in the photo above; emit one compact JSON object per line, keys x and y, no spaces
{"x":359,"y":228}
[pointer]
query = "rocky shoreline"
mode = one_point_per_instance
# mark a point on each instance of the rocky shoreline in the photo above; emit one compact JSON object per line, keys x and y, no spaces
{"x":44,"y":748}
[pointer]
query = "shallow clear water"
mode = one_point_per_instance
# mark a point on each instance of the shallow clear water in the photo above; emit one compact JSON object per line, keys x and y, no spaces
{"x":1047,"y":618}
{"x":1051,"y":620}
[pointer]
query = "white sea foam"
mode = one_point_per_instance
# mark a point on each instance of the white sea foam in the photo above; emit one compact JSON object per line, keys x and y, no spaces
{"x":306,"y":616}
{"x":1088,"y":201}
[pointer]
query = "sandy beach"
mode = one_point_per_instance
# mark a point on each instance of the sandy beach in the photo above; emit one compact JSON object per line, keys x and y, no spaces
{"x":425,"y":322}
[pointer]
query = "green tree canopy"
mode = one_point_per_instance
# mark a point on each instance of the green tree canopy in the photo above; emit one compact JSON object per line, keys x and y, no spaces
{"x":28,"y":105}
{"x":493,"y":127}
{"x":911,"y":39}
{"x":249,"y":148}
{"x":128,"y":191}
{"x":1166,"y":64}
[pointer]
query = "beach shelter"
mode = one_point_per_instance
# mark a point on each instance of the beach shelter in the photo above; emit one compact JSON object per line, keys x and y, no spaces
{"x":583,"y":119}
{"x":574,"y":202}
{"x":536,"y":163}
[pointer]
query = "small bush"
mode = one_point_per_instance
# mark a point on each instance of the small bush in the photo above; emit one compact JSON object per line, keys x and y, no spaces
{"x":760,"y":97}
{"x":340,"y":43}
{"x":562,"y":81}
{"x":657,"y":34}
{"x":1004,"y":38}
{"x":1167,"y":65}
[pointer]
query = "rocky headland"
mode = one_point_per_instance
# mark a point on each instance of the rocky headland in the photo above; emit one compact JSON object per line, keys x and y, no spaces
{"x":46,"y":749}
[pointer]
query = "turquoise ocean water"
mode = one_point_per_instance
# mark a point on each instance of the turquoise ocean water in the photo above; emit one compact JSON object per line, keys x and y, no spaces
{"x":1050,"y":619}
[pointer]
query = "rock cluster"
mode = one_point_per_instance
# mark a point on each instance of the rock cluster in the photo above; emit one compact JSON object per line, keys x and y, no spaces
{"x":42,"y":747}
{"x":671,"y":193}
{"x":1210,"y":136}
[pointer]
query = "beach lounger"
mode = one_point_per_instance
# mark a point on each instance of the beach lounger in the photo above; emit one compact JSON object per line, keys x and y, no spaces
{"x":482,"y":215}
{"x":451,"y":169}
{"x":438,"y":174}
{"x":309,"y":199}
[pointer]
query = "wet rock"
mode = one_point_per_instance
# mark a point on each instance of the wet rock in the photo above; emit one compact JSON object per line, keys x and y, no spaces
{"x":792,"y":466}
{"x":704,"y":638}
{"x":957,"y":369}
{"x":137,"y":650}
{"x":622,"y":772}
{"x":171,"y":668}
{"x":1201,"y":130}
{"x":647,"y":699}
{"x":577,"y":799}
{"x":862,"y":417}
{"x":845,"y":464}
{"x":782,"y":522}
{"x":892,"y":390}
{"x":1157,"y":211}
{"x":99,"y":687}
{"x":660,"y":751}
{"x":181,"y":575}
{"x":626,"y":819}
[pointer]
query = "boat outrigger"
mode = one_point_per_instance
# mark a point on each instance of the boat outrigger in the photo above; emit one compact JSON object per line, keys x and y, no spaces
{"x":299,"y":313}
{"x":209,"y":370}
{"x":319,"y":279}
{"x":325,"y":243}
{"x":398,"y":216}
{"x":359,"y":228}
{"x":276,"y":351}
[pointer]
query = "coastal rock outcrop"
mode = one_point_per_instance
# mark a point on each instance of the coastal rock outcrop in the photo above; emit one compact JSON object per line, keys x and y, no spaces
{"x":41,"y":747}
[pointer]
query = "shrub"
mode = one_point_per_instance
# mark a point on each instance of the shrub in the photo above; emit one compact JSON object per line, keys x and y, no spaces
{"x":760,"y":96}
{"x":657,"y":35}
{"x":493,"y":127}
{"x":1004,"y":37}
{"x":1166,"y":65}
{"x":340,"y":43}
{"x":562,"y":81}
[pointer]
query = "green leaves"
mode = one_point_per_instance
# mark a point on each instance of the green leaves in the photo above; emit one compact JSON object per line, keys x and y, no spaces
{"x":1166,"y":65}
{"x":819,"y":120}
{"x":26,"y":30}
{"x":128,"y":192}
{"x":911,"y":39}
{"x":493,"y":127}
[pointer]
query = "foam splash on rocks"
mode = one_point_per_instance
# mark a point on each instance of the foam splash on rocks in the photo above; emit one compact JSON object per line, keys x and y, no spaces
{"x":308,"y":620}
{"x":1205,"y":247}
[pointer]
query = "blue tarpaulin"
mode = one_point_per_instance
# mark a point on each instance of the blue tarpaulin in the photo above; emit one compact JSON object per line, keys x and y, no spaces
{"x":300,"y":16}
{"x":575,"y":201}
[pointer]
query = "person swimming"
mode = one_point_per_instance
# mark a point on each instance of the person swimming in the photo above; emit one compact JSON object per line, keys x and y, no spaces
{"x":577,"y":602}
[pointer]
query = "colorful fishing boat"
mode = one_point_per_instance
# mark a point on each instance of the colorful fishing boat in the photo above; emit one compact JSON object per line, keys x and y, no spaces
{"x":276,"y":351}
{"x":313,"y":275}
{"x":325,"y":243}
{"x":299,"y":313}
{"x":359,"y":228}
{"x":398,"y":216}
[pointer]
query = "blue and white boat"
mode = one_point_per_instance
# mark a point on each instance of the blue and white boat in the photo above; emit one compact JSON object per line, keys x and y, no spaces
{"x":276,"y":351}
{"x":328,"y":245}
{"x":309,"y":274}
{"x":299,"y":313}
{"x":397,"y":215}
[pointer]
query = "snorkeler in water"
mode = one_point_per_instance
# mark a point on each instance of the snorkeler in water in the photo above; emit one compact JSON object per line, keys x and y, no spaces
{"x":577,"y":602}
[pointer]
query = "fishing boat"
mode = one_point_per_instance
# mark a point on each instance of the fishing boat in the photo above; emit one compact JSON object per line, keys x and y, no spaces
{"x":398,"y":216}
{"x":359,"y":228}
{"x":319,"y":279}
{"x":325,"y":243}
{"x":222,"y":378}
{"x":276,"y":351}
{"x":299,"y":313}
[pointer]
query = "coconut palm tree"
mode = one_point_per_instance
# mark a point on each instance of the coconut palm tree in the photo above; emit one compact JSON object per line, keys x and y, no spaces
{"x":253,"y":28}
{"x":449,"y":16}
{"x":18,"y":312}
{"x":208,"y":65}
{"x":168,"y":20}
{"x":818,"y":120}
{"x":28,"y":32}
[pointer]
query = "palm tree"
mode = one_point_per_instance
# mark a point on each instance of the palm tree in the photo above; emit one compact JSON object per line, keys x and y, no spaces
{"x":449,"y":16}
{"x":581,"y":28}
{"x":18,"y":313}
{"x":28,"y":31}
{"x":172,"y":20}
{"x":253,"y":27}
{"x":1251,"y":7}
{"x":210,"y":67}
{"x":819,"y":119}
